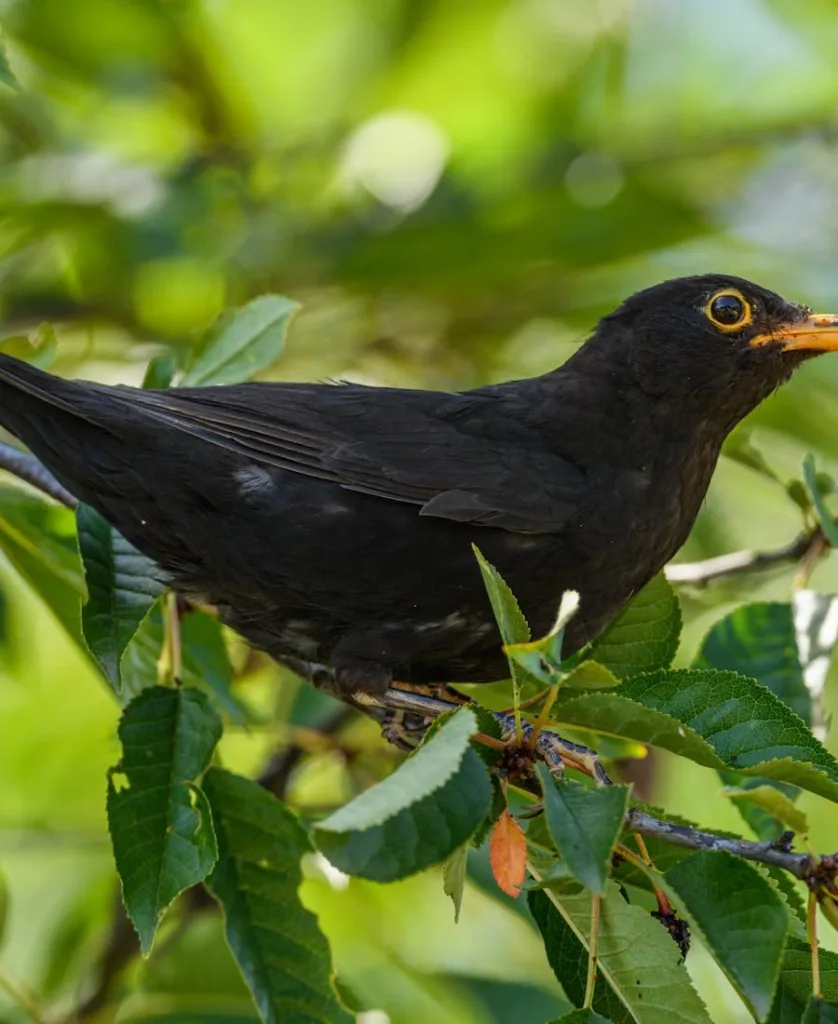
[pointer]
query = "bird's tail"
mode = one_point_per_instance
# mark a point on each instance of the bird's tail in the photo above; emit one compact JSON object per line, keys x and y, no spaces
{"x":61,"y":421}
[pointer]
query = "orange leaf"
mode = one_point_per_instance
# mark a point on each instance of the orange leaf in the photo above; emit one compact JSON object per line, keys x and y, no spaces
{"x":508,"y":854}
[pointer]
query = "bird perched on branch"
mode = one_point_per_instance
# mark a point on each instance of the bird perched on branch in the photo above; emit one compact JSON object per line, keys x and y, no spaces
{"x":332,"y":525}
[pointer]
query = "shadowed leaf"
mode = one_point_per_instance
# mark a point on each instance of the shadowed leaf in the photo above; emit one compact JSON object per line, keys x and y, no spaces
{"x":277,"y":943}
{"x":418,"y":815}
{"x":163,"y":839}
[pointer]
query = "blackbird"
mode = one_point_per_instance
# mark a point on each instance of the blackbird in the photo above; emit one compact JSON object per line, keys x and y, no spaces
{"x":332,"y":524}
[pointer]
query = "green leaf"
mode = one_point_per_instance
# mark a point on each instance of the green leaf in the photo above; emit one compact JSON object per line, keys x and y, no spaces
{"x":644,"y":636}
{"x":162,"y":838}
{"x":739,"y":448}
{"x":759,"y":641}
{"x":820,"y":1012}
{"x":640,"y":974}
{"x":514,"y":628}
{"x":160,"y":371}
{"x":794,"y":988}
{"x":774,"y":802}
{"x":6,"y":74}
{"x":4,"y":907}
{"x":582,"y":1017}
{"x":568,"y":958}
{"x":718,"y":719}
{"x":826,"y":520}
{"x":590,"y":675}
{"x":39,"y":539}
{"x":454,"y":877}
{"x":542,"y":658}
{"x":742,"y":918}
{"x":247,"y":342}
{"x":585,"y":824}
{"x":418,"y":815}
{"x":38,"y":348}
{"x":277,"y":943}
{"x":206,"y":663}
{"x":141,"y":659}
{"x":122,"y":585}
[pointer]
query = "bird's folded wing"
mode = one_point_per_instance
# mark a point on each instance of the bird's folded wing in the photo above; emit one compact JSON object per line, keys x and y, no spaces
{"x":423,"y":448}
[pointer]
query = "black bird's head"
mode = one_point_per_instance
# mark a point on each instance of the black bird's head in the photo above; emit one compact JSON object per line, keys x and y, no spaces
{"x":712,"y":345}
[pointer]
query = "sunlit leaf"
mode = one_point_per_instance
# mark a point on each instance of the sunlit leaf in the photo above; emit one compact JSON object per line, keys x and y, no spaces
{"x":774,"y":802}
{"x":718,"y":719}
{"x":641,"y":979}
{"x":39,"y":539}
{"x":513,"y":627}
{"x":590,"y":675}
{"x":542,"y":658}
{"x":454,"y":877}
{"x":247,"y":342}
{"x":206,"y":663}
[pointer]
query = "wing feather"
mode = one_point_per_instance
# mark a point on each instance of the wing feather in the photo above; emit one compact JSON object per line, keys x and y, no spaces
{"x":425,"y":448}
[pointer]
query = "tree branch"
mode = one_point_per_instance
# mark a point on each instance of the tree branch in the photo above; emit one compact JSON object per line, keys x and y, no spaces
{"x":557,"y":752}
{"x":742,"y":562}
{"x":33,"y":471}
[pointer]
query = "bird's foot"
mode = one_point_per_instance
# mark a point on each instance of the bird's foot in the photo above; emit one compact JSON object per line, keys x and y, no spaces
{"x":556,"y":752}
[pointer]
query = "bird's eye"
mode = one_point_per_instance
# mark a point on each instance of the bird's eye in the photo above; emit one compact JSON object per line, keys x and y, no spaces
{"x":729,"y":310}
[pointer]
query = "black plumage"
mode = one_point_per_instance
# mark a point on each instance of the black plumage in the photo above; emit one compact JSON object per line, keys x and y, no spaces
{"x":332,"y":524}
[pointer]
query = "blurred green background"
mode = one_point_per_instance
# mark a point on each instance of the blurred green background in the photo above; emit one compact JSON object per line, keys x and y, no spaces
{"x":455,"y":190}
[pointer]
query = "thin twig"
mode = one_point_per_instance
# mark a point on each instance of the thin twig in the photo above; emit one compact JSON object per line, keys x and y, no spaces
{"x":554,"y":750}
{"x":798,"y":864}
{"x":741,"y":562}
{"x":593,"y":949}
{"x":812,"y":935}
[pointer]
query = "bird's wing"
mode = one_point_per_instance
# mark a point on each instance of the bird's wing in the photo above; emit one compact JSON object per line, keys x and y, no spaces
{"x":445,"y":453}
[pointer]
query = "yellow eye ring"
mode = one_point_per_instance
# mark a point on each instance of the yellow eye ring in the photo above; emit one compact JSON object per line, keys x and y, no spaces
{"x":729,"y":310}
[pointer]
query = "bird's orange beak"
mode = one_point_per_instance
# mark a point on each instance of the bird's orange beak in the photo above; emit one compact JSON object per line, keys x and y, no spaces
{"x":817,"y":333}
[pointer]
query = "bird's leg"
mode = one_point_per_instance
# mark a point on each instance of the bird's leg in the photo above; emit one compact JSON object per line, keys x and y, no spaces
{"x":555,"y":751}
